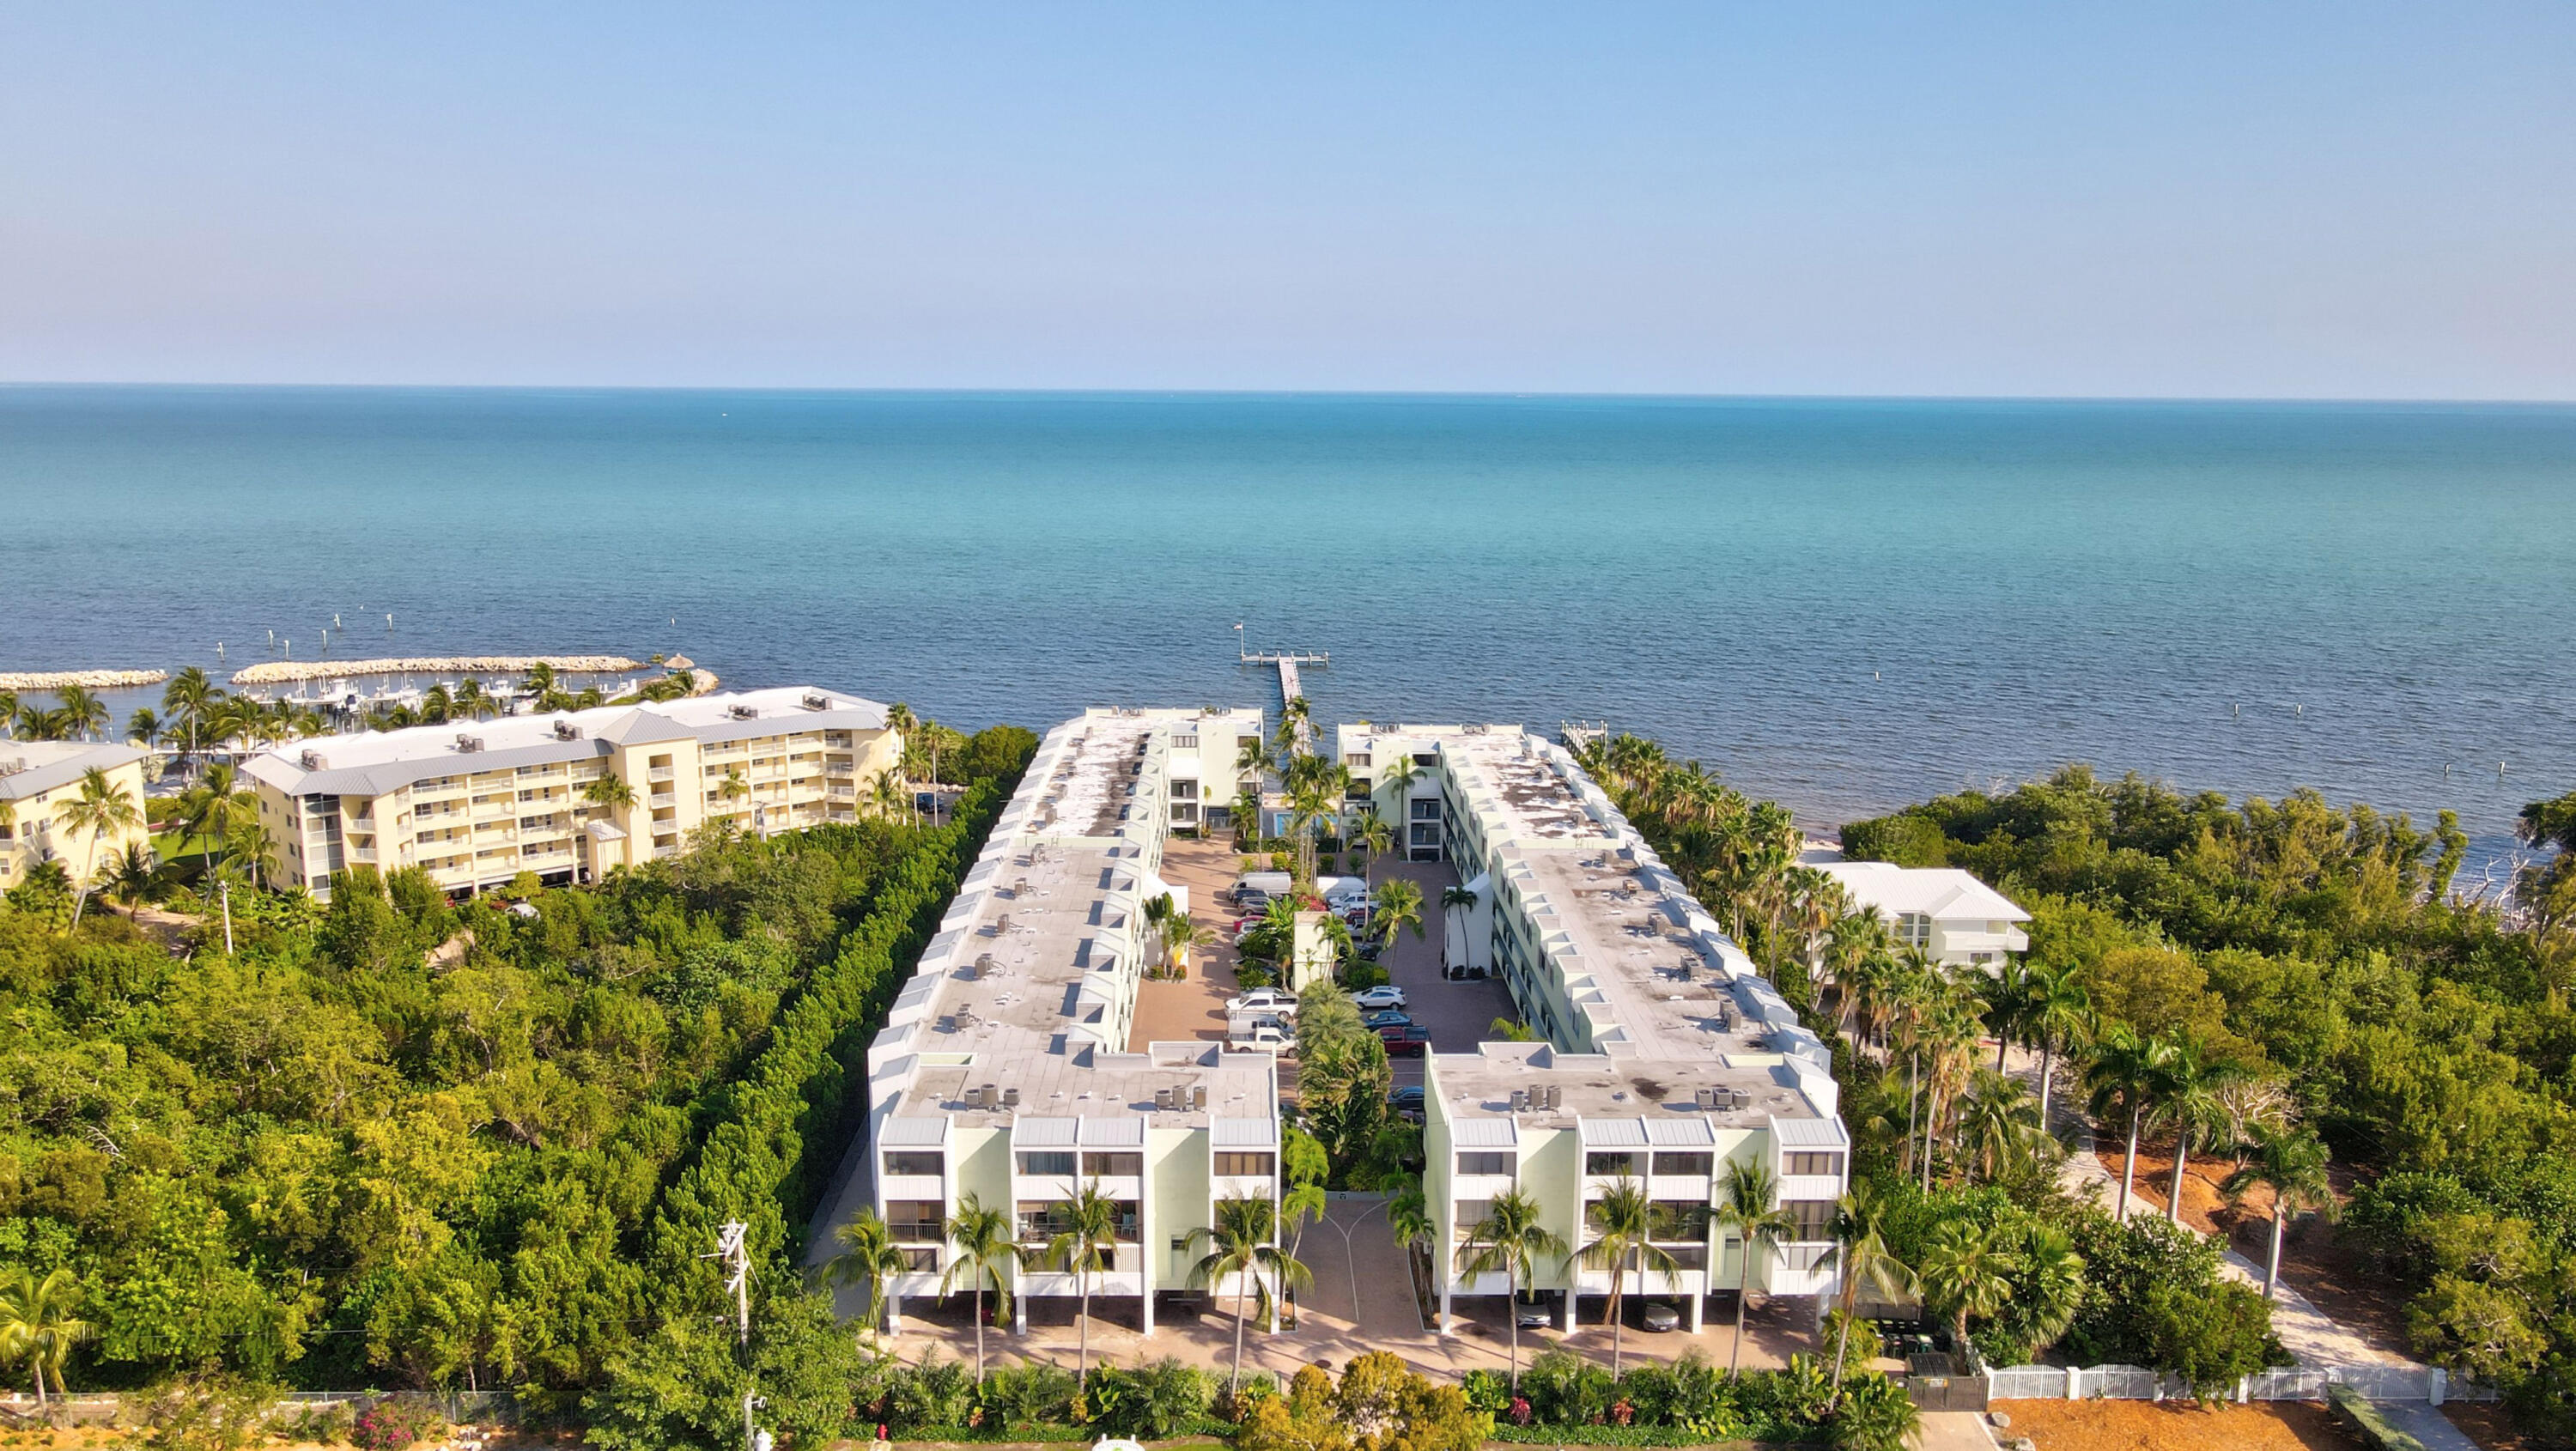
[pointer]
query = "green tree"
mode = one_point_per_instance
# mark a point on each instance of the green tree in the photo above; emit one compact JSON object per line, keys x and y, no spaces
{"x":1622,"y":1229}
{"x":100,"y":809}
{"x":1087,"y":1245}
{"x":1508,"y":1241}
{"x":1866,"y":1264}
{"x":1748,"y":1208}
{"x":868,"y":1256}
{"x":1243,"y":1244}
{"x":1966,"y":1272}
{"x":39,"y":1323}
{"x":1399,"y":905}
{"x":2291,"y":1164}
{"x":2126,"y":1079}
{"x":986,"y":1248}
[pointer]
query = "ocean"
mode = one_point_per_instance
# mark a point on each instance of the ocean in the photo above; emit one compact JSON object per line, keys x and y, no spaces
{"x":1845,"y":605}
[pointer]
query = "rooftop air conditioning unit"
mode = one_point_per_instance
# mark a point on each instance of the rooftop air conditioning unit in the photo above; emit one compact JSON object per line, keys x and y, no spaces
{"x":1010,"y":1098}
{"x":1166,"y":1098}
{"x":984,"y":966}
{"x":566,"y":731}
{"x":13,"y":765}
{"x":469,"y":743}
{"x":742,"y":712}
{"x":992,"y":1096}
{"x":1521,"y":1100}
{"x":817,"y":700}
{"x":974,"y":1098}
{"x":314,"y":761}
{"x":1198,"y":1096}
{"x":1706,"y":1098}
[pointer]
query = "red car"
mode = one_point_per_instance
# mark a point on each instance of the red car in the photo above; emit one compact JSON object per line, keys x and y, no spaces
{"x":1405,"y":1039}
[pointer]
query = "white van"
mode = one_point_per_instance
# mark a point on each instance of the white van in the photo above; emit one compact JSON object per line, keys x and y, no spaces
{"x":1255,"y":889}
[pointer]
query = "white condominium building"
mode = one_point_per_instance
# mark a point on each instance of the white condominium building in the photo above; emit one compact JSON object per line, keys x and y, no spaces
{"x":1665,"y":1056}
{"x":476,"y":803}
{"x":1955,"y":919}
{"x":1006,"y":1069}
{"x":37,"y":780}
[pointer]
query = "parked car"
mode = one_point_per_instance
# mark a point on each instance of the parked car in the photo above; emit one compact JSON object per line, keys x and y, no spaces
{"x":1386,"y":995}
{"x":1262,"y":1000}
{"x":1661,"y":1315}
{"x":1406,"y":1098}
{"x":1265,"y":1038}
{"x":1405,"y":1039}
{"x":1532,"y":1313}
{"x":1386,"y":1018}
{"x":1370,"y":948}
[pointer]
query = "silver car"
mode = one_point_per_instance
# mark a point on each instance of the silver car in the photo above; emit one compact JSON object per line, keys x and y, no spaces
{"x":1661,"y":1316}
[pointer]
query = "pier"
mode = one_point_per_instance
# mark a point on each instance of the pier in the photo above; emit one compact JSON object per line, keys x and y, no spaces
{"x":1287,"y":661}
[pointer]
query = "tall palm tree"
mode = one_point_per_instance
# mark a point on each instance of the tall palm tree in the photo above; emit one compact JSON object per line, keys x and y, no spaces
{"x":1998,"y":1123}
{"x":2188,"y":1099}
{"x":609,"y":790}
{"x":1087,"y":1245}
{"x":1374,"y":836}
{"x":2124,"y":1077}
{"x":132,"y":875}
{"x":733,"y":788}
{"x":2292,"y":1164}
{"x":2011,"y":1001}
{"x":101,"y":808}
{"x":38,"y":1321}
{"x":190,"y":698}
{"x":1399,"y":905}
{"x":1244,"y":1244}
{"x":143,"y":728}
{"x":1748,"y":1208}
{"x":886,"y":792}
{"x":1867,"y":1264}
{"x":2061,"y":1015}
{"x":86,"y":712}
{"x":869,"y":1256}
{"x":986,"y":1247}
{"x":1509,"y":1239}
{"x":1966,"y":1272}
{"x":9,"y":714}
{"x":1622,"y":1224}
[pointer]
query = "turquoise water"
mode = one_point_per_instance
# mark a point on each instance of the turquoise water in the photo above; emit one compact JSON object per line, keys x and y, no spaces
{"x":1843,"y":604}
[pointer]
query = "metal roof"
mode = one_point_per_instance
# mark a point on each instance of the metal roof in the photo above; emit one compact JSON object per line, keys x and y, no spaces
{"x":1030,"y":1131}
{"x":1809,"y":1133}
{"x":1485,"y":1133}
{"x":48,"y":764}
{"x":911,"y":1132}
{"x":1243,"y":1133}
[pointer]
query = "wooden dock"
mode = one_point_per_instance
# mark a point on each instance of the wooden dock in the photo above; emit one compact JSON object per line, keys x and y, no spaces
{"x":1287,"y":661}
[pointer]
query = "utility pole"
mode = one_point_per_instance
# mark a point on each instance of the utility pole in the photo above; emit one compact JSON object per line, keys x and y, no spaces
{"x":736,"y":1255}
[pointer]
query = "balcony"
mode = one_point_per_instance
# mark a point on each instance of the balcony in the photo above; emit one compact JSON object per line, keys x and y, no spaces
{"x":663,"y":798}
{"x":361,"y":854}
{"x":658,"y":773}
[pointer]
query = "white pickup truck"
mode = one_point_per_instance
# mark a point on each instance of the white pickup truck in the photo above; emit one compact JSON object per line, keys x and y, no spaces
{"x":1265,"y":1037}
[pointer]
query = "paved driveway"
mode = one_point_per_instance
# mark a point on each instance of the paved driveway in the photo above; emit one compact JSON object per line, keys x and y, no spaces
{"x":1459,"y":1014}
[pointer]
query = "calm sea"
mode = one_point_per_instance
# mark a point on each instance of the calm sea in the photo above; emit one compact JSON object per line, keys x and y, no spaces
{"x":1846,"y":605}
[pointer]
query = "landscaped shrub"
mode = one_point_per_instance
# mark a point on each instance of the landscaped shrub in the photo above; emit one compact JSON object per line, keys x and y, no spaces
{"x":1151,"y":1402}
{"x":396,"y":1422}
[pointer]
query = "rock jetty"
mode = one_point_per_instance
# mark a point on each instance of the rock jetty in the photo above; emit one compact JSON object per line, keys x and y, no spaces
{"x":285,"y":672}
{"x":85,"y":679}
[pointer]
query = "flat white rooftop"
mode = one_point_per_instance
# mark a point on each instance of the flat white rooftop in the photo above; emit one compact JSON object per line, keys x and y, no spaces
{"x":370,"y":763}
{"x":1941,"y":893}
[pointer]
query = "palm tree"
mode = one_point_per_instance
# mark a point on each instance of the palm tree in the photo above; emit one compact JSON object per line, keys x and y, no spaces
{"x":886,"y":792}
{"x":1966,"y":1271}
{"x":1399,"y":905}
{"x":1243,"y":1244}
{"x":2292,"y":1164}
{"x":1747,"y":1206}
{"x":869,"y":1256}
{"x":1374,"y":836}
{"x":1181,"y":937}
{"x":9,"y":714}
{"x":1510,"y":1030}
{"x":609,"y":790}
{"x":101,"y":808}
{"x":1087,"y":1245}
{"x":1867,"y":1264}
{"x":1409,"y":1217}
{"x":143,"y":728}
{"x":85,"y":712}
{"x":2188,"y":1097}
{"x":540,"y":682}
{"x":986,"y":1246}
{"x":37,"y":1321}
{"x":1999,"y":1123}
{"x":733,"y":788}
{"x":132,"y":875}
{"x":2012,"y":999}
{"x":1622,"y":1224}
{"x":2061,"y":1013}
{"x":1510,"y":1238}
{"x":2124,"y":1075}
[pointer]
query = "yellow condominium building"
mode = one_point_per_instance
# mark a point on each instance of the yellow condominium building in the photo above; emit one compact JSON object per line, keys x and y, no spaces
{"x":38,"y":779}
{"x":476,"y":803}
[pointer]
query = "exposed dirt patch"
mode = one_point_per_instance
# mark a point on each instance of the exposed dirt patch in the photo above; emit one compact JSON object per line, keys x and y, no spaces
{"x":2490,"y":1425}
{"x":2177,"y":1426}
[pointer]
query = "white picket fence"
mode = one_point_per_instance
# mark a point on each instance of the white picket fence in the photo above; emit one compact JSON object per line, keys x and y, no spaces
{"x":2303,"y":1383}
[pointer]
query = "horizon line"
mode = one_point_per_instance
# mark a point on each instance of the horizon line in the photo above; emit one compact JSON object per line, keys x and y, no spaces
{"x":1462,"y":394}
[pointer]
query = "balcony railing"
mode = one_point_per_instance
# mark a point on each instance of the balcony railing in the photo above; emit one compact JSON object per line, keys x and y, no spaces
{"x":664,"y":798}
{"x":658,"y":773}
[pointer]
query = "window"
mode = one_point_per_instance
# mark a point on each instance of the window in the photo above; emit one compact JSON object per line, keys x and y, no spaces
{"x":1188,"y":742}
{"x":1486,"y":1163}
{"x":1472,"y":1212}
{"x":1237,"y":1162}
{"x":1047,"y":1162}
{"x":1427,"y":809}
{"x":1185,"y":790}
{"x":1040,"y":1219}
{"x":915,"y":1161}
{"x":1113,"y":1166}
{"x":1679,"y":1220}
{"x":1814,"y":1218}
{"x":914,"y":1221}
{"x":1812,"y":1163}
{"x":1426,"y":833}
{"x":1357,"y":791}
{"x":1241,"y":742}
{"x":1613,"y":1162}
{"x":1683,"y":1164}
{"x":1356,"y":760}
{"x":1426,"y":758}
{"x":1913,"y":929}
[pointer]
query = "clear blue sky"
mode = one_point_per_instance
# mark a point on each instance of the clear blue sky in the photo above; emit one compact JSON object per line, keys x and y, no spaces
{"x":2270,"y":199}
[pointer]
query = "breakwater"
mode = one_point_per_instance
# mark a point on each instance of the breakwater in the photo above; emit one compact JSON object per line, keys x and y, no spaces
{"x":83,"y":679}
{"x":287,"y":672}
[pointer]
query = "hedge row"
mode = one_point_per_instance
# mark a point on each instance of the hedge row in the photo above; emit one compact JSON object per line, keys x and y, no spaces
{"x":755,"y":1163}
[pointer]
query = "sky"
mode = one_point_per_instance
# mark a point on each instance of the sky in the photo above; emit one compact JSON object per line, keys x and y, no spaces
{"x":2198,"y":200}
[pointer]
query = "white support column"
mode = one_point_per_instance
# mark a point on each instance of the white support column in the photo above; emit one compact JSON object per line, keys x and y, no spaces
{"x":1020,"y":1313}
{"x":1698,"y":1310}
{"x":894,"y":1313}
{"x":1447,"y":1325}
